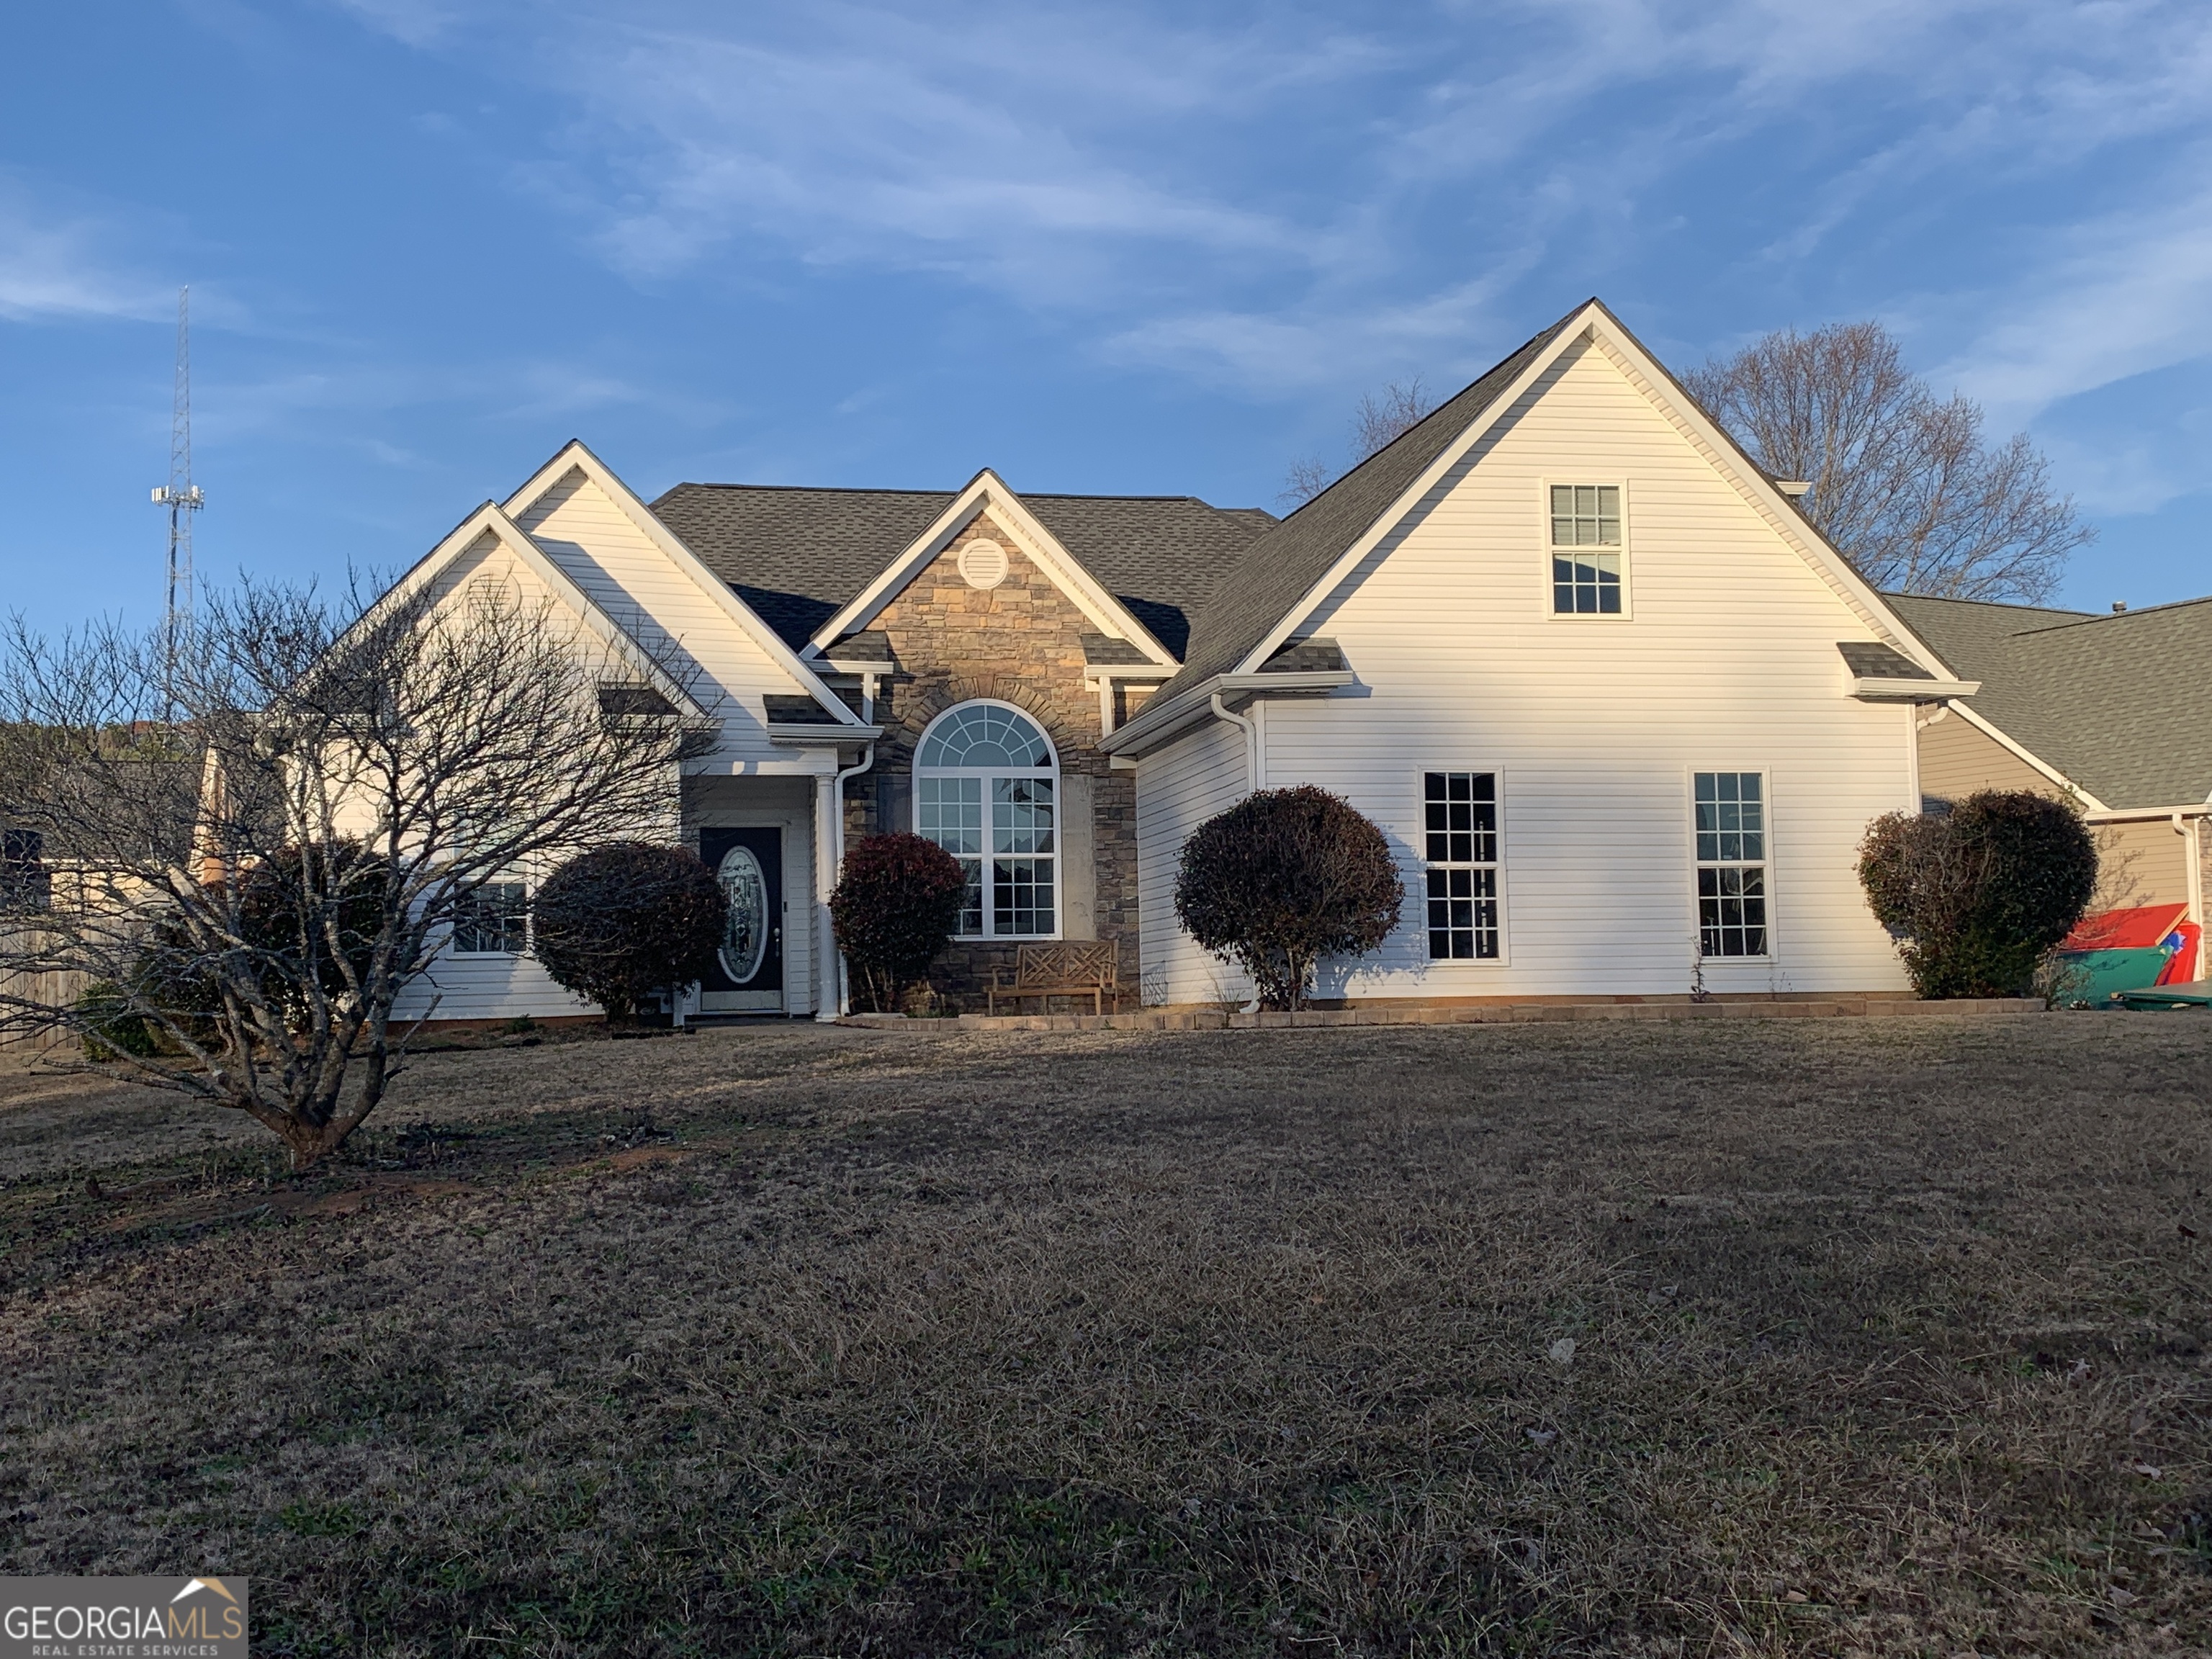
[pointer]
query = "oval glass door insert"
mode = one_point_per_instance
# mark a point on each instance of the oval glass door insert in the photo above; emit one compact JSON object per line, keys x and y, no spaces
{"x":744,"y":940}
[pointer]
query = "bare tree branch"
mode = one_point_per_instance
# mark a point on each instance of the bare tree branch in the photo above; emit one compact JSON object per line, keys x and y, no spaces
{"x":1901,"y":483}
{"x":1380,"y":419}
{"x":255,"y":846}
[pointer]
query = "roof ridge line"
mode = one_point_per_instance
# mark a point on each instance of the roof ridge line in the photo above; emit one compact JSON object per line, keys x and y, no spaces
{"x":2089,"y":616}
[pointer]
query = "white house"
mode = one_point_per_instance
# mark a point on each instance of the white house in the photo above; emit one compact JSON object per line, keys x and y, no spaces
{"x":1622,"y":713}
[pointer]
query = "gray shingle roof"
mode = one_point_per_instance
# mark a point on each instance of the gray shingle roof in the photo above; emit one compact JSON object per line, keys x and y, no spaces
{"x":796,"y":711}
{"x":1307,"y":656}
{"x":2090,"y":696}
{"x":1880,"y":662}
{"x":1100,"y":651}
{"x":799,"y":555}
{"x":1280,"y":567}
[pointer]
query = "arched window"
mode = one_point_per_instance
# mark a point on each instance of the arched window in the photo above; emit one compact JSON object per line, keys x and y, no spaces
{"x":985,"y":788}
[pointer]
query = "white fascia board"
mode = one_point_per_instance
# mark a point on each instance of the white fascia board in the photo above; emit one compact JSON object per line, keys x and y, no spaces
{"x":987,"y":490}
{"x":2147,"y":814}
{"x":1595,"y":325}
{"x":1980,"y":723}
{"x":1781,"y":512}
{"x":1876,"y":688}
{"x":1131,"y":670}
{"x":493,"y":518}
{"x":1411,"y":496}
{"x":576,"y":456}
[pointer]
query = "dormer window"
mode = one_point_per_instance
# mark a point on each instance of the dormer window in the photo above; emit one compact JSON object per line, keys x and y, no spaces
{"x":1586,"y":550}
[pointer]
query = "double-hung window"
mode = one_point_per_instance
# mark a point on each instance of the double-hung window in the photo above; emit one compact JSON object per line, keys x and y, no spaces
{"x":986,"y":789}
{"x":493,"y":921}
{"x":1586,"y":550}
{"x":1732,"y":894}
{"x":1460,"y":826}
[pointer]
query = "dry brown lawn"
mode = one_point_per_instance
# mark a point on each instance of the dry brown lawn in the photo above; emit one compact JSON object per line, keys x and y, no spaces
{"x":1757,"y":1338}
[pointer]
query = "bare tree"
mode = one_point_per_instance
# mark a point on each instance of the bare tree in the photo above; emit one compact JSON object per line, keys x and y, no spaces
{"x":1901,"y":481}
{"x":1380,"y":418}
{"x":253,"y":847}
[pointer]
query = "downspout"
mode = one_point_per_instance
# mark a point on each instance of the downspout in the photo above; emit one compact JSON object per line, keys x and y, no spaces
{"x":1253,"y":773}
{"x":838,"y":837}
{"x":2191,"y":828}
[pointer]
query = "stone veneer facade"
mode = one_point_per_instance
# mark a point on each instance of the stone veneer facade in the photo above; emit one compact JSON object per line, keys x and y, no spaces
{"x":1019,"y":642}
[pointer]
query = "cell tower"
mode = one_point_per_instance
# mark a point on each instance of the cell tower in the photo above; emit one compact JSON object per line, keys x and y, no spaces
{"x":181,"y":495}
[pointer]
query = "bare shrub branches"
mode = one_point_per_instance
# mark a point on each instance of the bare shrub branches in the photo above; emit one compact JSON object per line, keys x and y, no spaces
{"x":1901,"y":483}
{"x":254,"y":845}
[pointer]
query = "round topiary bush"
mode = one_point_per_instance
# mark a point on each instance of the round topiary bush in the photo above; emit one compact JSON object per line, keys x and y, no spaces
{"x":620,"y":924}
{"x":1283,"y":878}
{"x":898,"y":899}
{"x":1977,"y":897}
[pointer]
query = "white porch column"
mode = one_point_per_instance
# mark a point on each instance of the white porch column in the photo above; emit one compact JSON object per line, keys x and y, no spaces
{"x":826,"y":806}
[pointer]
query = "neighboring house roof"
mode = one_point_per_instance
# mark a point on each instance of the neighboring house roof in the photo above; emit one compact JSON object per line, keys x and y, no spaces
{"x":2088,"y":695}
{"x":1280,"y":568}
{"x":799,"y":555}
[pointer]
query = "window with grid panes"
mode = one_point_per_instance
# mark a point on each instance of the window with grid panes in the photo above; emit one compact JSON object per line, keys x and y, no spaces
{"x":986,"y":789}
{"x":1459,"y":827}
{"x":1586,"y":549}
{"x":1731,"y":833}
{"x":493,"y":921}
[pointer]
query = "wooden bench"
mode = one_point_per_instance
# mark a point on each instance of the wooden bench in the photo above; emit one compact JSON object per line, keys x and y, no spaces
{"x":1087,"y":969}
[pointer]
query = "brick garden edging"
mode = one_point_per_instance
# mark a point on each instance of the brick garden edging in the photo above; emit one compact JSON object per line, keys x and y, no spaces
{"x":1516,"y":1013}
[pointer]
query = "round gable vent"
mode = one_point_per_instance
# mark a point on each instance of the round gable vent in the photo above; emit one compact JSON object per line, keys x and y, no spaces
{"x":982,"y":563}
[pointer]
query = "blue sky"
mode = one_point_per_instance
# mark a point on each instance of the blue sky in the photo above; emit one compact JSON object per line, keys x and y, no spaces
{"x":1111,"y":248}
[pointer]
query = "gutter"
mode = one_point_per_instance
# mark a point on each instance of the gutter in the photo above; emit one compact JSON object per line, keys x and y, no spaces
{"x":1155,"y":723}
{"x":1887,"y":688}
{"x":818,"y":734}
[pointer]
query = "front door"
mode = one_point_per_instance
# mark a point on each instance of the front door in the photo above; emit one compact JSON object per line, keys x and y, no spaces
{"x":748,"y":970}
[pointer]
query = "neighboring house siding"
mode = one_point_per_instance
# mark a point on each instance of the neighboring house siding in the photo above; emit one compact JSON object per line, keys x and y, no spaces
{"x":1729,"y":662}
{"x":596,"y":542}
{"x":2139,"y":861}
{"x":1019,"y":642}
{"x":1178,"y":788}
{"x":1957,"y":759}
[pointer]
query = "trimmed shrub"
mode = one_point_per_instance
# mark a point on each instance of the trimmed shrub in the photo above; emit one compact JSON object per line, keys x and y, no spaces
{"x":1283,"y":878}
{"x":1976,"y":898}
{"x":897,"y":901}
{"x":620,"y":924}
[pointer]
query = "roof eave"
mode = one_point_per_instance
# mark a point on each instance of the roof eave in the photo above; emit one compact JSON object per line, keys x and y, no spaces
{"x":1155,"y":724}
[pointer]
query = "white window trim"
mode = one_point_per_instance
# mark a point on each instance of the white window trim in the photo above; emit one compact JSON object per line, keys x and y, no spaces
{"x":1420,"y":844}
{"x":1584,"y":618}
{"x":1772,"y":955}
{"x":1058,"y":818}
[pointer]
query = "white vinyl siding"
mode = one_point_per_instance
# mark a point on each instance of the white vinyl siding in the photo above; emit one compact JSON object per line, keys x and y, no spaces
{"x":1732,"y":656}
{"x":1179,"y":787}
{"x":587,"y":534}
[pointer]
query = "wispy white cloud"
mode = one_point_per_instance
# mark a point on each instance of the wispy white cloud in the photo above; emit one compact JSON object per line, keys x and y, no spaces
{"x":1276,"y":199}
{"x":2114,"y":297}
{"x":57,"y":265}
